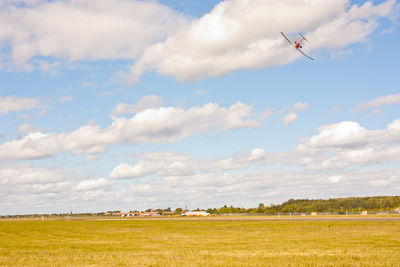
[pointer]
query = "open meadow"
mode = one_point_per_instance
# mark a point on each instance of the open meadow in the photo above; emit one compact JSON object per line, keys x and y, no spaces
{"x":187,"y":242}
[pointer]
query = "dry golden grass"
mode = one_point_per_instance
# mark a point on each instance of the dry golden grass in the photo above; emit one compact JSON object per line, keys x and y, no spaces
{"x":199,"y":243}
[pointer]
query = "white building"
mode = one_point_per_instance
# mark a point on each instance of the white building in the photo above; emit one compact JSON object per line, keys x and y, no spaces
{"x":195,"y":213}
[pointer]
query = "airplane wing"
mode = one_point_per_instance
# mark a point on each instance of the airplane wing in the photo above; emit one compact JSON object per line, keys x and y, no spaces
{"x":287,"y":38}
{"x":304,"y":38}
{"x":305,"y":54}
{"x":295,"y":47}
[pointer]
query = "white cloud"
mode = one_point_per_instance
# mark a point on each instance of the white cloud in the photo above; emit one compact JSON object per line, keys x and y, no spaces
{"x":290,"y":118}
{"x":320,"y":170}
{"x":239,"y":34}
{"x":84,"y":30}
{"x":33,"y":146}
{"x":36,"y":190}
{"x":13,"y":103}
{"x":146,"y":102}
{"x":379,"y":183}
{"x":162,"y":164}
{"x":346,"y":133}
{"x":151,"y":125}
{"x":257,"y":154}
{"x":335,"y":179}
{"x":93,"y":184}
{"x":174,"y":164}
{"x":300,"y":106}
{"x":339,"y":145}
{"x":235,"y":35}
{"x":268,"y":112}
{"x":33,"y":189}
{"x":125,"y":170}
{"x":379,"y":101}
{"x":213,"y":189}
{"x":19,"y":174}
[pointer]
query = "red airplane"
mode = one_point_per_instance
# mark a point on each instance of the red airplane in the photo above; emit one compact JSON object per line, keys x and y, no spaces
{"x":297,"y":44}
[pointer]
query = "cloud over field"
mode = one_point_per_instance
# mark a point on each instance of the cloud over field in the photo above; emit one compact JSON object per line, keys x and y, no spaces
{"x":164,"y":124}
{"x":323,"y":167}
{"x":336,"y":146}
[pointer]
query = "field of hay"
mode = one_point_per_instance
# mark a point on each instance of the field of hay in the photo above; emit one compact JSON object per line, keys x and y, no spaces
{"x":199,"y":243}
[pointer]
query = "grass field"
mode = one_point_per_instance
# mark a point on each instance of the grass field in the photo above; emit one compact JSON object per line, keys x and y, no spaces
{"x":199,"y":243}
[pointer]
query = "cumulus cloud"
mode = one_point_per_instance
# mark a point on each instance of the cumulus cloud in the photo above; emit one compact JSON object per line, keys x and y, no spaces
{"x":174,"y":164}
{"x":144,"y":167}
{"x":244,"y":188}
{"x":348,"y":143}
{"x":235,"y":35}
{"x":321,"y":169}
{"x":19,"y":174}
{"x":290,"y":118}
{"x":323,"y":160}
{"x":92,"y":184}
{"x":84,"y":30}
{"x":379,"y":101}
{"x":300,"y":106}
{"x":166,"y":124}
{"x":203,"y":189}
{"x":162,"y":164}
{"x":239,"y":34}
{"x":268,"y":112}
{"x":32,"y":146}
{"x":14,"y":103}
{"x":146,"y":102}
{"x":335,"y":147}
{"x":34,"y":189}
{"x":185,"y":180}
{"x":335,"y":179}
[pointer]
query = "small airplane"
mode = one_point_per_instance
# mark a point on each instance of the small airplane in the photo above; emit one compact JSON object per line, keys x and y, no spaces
{"x":297,"y":44}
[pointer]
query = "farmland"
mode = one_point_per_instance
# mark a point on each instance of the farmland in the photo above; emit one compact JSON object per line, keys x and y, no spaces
{"x":188,"y":242}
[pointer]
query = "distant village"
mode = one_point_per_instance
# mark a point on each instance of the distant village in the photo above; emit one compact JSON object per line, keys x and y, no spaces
{"x":147,"y":213}
{"x":201,"y":213}
{"x":313,"y":207}
{"x":160,"y":212}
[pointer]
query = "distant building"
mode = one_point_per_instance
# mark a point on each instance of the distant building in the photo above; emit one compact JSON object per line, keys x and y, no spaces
{"x":195,"y":213}
{"x":135,"y":214}
{"x":397,"y":210}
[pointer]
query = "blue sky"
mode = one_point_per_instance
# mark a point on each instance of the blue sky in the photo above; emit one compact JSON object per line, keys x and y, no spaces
{"x":124,"y":104}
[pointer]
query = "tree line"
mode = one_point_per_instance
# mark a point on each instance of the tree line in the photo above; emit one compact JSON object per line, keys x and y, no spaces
{"x":350,"y":204}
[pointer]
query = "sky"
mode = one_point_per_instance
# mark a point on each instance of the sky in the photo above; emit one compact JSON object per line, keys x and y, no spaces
{"x":128,"y":105}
